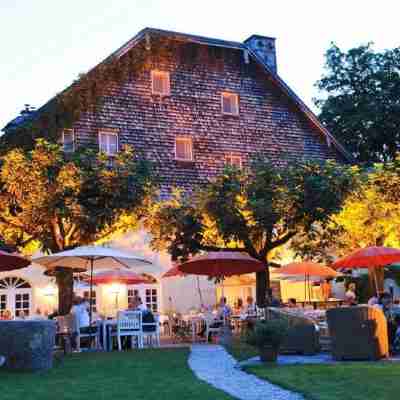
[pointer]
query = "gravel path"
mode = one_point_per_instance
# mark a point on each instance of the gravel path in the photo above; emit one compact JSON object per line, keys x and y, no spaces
{"x":212,"y":364}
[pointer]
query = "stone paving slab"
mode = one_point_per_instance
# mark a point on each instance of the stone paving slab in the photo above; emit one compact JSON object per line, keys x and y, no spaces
{"x":212,"y":364}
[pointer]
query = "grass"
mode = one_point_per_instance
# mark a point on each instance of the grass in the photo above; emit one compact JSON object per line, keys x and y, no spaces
{"x":146,"y":374}
{"x":350,"y":381}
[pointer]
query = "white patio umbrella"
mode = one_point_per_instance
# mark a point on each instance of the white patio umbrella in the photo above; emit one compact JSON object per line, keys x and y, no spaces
{"x":95,"y":257}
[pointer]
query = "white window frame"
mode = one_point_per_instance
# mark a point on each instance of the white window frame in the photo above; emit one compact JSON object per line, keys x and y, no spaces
{"x":236,"y":97}
{"x":109,"y":132}
{"x":230,"y":157}
{"x":165,"y":75}
{"x":187,"y":139}
{"x":73,"y":140}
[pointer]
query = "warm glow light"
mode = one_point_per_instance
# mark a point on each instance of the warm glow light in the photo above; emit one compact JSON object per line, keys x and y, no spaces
{"x":49,"y":290}
{"x":114,"y":288}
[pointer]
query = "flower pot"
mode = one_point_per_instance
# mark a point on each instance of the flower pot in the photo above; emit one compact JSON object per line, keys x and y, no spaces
{"x":268,"y":354}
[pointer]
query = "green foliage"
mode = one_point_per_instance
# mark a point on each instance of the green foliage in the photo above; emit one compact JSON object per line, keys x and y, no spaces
{"x":370,"y":216}
{"x":255,"y":211}
{"x":268,"y":333}
{"x":359,"y":100}
{"x":52,"y":202}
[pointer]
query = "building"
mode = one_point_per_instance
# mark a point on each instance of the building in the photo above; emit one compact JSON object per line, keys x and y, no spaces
{"x":192,"y":104}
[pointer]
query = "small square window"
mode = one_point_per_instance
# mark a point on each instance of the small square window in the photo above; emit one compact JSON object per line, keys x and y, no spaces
{"x":68,"y":140}
{"x":160,"y":84}
{"x":230,"y":103}
{"x":234,"y":160}
{"x":108,"y":142}
{"x":183,"y":149}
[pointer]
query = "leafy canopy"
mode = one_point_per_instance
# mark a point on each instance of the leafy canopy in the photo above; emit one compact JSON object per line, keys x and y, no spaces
{"x":52,"y":202}
{"x":360,"y":100}
{"x":255,"y":211}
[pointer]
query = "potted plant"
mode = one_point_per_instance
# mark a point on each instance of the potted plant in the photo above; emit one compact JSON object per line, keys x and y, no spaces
{"x":267,"y":337}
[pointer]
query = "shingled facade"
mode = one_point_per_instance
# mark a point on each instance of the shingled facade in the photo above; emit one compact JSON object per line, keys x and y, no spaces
{"x":270,"y":120}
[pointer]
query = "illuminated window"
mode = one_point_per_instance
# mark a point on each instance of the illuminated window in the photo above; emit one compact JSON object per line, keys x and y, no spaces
{"x":86,"y":296}
{"x":151,"y":300}
{"x":234,"y":160}
{"x":183,"y":149}
{"x":68,"y":140}
{"x":108,"y":142}
{"x":229,"y":103}
{"x":132,"y":293}
{"x":160,"y":83}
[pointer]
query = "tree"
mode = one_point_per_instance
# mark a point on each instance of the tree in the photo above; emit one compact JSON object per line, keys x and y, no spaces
{"x":255,"y":212}
{"x":360,"y":101}
{"x":370,"y":216}
{"x":51,"y":202}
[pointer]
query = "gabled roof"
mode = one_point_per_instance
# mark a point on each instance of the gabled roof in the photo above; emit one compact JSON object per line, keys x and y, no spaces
{"x":146,"y":33}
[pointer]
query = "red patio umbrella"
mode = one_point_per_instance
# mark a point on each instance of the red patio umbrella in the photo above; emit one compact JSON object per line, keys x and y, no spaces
{"x":374,"y":256}
{"x":222,"y":263}
{"x":369,"y":257}
{"x":11,"y":261}
{"x":172,"y":272}
{"x":119,"y":276}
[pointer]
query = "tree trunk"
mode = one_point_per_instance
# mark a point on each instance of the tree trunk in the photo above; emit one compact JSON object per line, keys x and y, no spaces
{"x":65,"y":285}
{"x":262,"y":284}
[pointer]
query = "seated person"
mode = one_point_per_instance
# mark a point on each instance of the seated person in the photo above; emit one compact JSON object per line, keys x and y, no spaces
{"x":292,"y":303}
{"x":238,"y":308}
{"x":250,"y":308}
{"x":272,"y":301}
{"x":6,"y":315}
{"x":350,"y":295}
{"x":80,"y":311}
{"x":373,"y":301}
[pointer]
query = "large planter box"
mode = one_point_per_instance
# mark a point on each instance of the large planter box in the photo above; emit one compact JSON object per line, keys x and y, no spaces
{"x":27,"y":345}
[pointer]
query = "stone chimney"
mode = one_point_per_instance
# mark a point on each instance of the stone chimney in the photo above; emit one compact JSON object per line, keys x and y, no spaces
{"x":264,"y":47}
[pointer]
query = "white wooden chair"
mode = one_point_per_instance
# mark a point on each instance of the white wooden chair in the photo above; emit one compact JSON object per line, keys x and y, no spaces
{"x":154,"y":333}
{"x":210,"y":320}
{"x":129,"y":323}
{"x":71,"y":321}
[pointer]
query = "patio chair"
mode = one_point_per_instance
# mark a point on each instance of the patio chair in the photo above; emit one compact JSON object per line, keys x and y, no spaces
{"x":151,"y":330}
{"x":358,"y":333}
{"x":211,"y":325}
{"x":92,"y":332}
{"x":129,"y":324}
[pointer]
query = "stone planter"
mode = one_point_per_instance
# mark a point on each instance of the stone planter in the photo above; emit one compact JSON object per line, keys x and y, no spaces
{"x":27,"y":345}
{"x":268,"y":354}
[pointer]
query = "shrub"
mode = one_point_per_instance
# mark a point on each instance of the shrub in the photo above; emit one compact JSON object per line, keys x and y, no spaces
{"x":268,"y":333}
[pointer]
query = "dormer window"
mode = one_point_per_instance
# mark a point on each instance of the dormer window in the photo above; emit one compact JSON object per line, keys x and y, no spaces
{"x":108,"y":142}
{"x":68,"y":140}
{"x":229,"y":103}
{"x":234,"y":160}
{"x":183,"y":149}
{"x":160,"y":84}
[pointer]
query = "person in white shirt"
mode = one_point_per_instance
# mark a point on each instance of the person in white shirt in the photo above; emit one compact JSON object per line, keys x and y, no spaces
{"x":80,"y":311}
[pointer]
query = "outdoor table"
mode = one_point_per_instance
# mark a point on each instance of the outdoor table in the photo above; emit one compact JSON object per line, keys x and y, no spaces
{"x":196,"y":322}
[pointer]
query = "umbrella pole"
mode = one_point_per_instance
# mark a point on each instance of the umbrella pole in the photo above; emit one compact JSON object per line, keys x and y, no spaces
{"x":90,"y":303}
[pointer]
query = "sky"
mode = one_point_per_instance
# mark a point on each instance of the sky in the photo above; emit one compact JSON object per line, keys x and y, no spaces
{"x":46,"y":44}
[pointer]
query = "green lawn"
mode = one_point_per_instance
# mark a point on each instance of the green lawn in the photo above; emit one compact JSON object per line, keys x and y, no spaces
{"x":350,"y":381}
{"x":132,"y":375}
{"x":347,"y":381}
